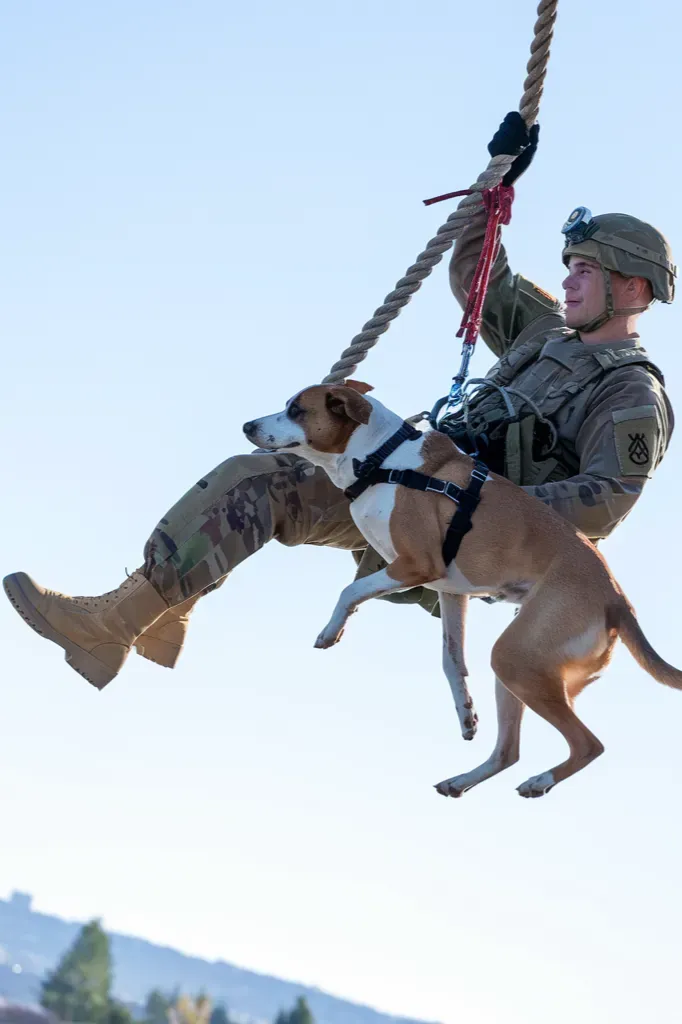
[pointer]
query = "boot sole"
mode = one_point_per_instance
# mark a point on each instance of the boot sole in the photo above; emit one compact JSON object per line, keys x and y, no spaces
{"x":96,"y":673}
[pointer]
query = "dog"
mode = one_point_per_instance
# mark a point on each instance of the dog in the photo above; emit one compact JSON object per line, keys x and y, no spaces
{"x":570,"y":612}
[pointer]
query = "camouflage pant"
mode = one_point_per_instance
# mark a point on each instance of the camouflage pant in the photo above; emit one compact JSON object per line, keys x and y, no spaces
{"x":236,"y":509}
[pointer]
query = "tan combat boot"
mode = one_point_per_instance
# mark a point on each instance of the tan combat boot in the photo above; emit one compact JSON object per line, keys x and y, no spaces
{"x":162,"y":641}
{"x":95,"y":632}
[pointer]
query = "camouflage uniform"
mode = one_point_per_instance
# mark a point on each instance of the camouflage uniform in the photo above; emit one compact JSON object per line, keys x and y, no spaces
{"x":590,"y":424}
{"x":236,"y":509}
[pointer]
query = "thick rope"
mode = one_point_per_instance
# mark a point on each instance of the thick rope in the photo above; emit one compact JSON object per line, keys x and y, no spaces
{"x":458,"y":220}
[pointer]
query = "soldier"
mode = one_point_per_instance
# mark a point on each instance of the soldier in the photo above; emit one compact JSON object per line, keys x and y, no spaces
{"x":574,"y":411}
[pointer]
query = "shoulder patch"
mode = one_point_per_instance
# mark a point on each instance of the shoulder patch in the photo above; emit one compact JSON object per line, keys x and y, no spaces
{"x":637,"y":437}
{"x":530,"y":288}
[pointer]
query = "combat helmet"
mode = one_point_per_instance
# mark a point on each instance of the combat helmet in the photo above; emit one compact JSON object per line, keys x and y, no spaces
{"x":617,"y":241}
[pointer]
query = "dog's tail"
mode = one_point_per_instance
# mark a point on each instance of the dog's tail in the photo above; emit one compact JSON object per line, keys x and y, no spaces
{"x":630,"y":632}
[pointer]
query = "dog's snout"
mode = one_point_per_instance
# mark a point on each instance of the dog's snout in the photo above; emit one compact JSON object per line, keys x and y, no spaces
{"x":249,"y":427}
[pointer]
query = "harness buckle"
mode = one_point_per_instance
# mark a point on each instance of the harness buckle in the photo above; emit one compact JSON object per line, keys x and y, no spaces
{"x":394,"y":476}
{"x":478,"y":474}
{"x":439,"y":486}
{"x":361,"y":469}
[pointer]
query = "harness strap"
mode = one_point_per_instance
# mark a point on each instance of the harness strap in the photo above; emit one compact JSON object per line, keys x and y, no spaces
{"x":466,"y":505}
{"x":416,"y":481}
{"x":465,"y":499}
{"x":369,"y":465}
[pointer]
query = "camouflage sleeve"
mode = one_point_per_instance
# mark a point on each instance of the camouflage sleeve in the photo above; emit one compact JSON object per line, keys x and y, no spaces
{"x":512,"y":302}
{"x":622,"y":439}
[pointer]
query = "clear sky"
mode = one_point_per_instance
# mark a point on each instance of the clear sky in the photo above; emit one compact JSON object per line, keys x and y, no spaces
{"x":201,"y":204}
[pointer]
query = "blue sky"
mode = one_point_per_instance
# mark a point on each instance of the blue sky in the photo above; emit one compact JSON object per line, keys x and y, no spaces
{"x":201,"y":205}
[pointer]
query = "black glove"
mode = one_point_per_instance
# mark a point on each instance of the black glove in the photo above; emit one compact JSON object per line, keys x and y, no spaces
{"x":514,"y":139}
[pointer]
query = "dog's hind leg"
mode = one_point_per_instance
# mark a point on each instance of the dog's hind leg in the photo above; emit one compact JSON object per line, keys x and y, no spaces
{"x":506,"y":752}
{"x":453,"y":609}
{"x":542,"y":688}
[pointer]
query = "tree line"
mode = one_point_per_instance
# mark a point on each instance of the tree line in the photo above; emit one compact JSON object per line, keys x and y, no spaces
{"x":78,"y":991}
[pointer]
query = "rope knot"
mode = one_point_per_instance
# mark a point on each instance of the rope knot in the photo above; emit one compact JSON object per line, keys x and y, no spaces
{"x":498,"y":201}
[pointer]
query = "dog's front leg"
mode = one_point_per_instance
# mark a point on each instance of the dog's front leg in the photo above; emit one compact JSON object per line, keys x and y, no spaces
{"x":453,"y":609}
{"x":376,"y":585}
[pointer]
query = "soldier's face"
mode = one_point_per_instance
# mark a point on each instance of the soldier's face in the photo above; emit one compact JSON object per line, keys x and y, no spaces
{"x":585,"y":291}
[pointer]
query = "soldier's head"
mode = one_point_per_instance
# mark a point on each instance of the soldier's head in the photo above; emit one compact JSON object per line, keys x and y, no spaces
{"x":617,"y":267}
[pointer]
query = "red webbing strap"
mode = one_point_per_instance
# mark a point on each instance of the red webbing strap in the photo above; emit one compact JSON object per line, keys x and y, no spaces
{"x":498,"y":204}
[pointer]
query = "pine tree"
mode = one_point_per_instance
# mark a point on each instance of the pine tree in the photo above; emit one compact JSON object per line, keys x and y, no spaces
{"x":299,"y":1015}
{"x":119,"y":1014}
{"x":78,"y":989}
{"x":157,"y":1006}
{"x":220,"y":1015}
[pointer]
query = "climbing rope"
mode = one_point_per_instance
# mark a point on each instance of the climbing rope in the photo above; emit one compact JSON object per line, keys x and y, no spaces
{"x":468,"y":209}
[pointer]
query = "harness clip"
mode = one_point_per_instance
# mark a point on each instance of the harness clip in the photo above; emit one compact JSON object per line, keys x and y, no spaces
{"x":362,"y":469}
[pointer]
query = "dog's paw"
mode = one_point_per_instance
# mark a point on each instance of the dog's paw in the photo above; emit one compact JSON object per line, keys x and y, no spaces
{"x":469,"y":723}
{"x":455,"y":786}
{"x":537,"y":786}
{"x":327,"y":638}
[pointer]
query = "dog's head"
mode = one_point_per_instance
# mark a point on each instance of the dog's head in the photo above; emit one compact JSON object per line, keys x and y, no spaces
{"x":321,"y":418}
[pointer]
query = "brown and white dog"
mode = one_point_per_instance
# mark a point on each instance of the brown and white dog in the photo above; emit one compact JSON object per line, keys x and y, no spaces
{"x":571,"y":609}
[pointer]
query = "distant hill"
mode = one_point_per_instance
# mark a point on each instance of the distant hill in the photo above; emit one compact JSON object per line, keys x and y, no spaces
{"x":32,"y":943}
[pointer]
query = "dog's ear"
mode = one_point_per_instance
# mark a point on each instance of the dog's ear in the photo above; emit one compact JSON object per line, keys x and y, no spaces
{"x":359,"y":386}
{"x":347,"y":403}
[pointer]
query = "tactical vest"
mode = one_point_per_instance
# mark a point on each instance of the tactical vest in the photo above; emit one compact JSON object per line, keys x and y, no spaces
{"x":525,"y":448}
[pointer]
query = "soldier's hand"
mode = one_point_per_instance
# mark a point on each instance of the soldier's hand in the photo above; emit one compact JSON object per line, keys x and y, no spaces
{"x":513,"y":138}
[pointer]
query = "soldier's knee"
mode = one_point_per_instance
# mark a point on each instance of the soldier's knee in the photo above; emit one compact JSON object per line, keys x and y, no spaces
{"x":233,"y":471}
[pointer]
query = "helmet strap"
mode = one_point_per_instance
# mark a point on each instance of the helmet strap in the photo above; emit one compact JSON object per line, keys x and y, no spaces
{"x":610,"y":311}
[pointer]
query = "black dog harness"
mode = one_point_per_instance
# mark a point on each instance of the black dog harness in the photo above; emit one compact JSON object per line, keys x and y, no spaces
{"x":369,"y":472}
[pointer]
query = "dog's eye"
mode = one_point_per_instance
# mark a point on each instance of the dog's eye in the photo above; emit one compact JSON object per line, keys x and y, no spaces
{"x":294,"y":411}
